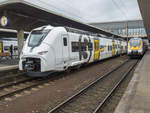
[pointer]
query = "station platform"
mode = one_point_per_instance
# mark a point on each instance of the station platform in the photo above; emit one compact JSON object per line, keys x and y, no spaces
{"x":8,"y":64}
{"x":137,"y":95}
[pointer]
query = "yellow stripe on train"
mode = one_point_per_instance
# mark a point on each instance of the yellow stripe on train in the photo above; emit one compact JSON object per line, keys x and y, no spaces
{"x":137,"y":47}
{"x":0,"y":47}
{"x":102,"y":49}
{"x":134,"y":48}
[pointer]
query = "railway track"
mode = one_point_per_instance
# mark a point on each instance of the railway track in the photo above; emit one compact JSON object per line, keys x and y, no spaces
{"x":10,"y":80}
{"x":12,"y":88}
{"x":9,"y":89}
{"x":91,"y":98}
{"x":8,"y":72}
{"x":110,"y":105}
{"x":16,"y":82}
{"x":12,"y":76}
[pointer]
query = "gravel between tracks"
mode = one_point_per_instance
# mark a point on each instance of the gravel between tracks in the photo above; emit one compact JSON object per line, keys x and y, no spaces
{"x":88,"y":100}
{"x":8,"y":62}
{"x":39,"y":99}
{"x":112,"y":103}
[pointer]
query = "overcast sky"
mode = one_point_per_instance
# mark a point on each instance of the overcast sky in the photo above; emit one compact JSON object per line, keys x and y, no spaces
{"x":97,"y":10}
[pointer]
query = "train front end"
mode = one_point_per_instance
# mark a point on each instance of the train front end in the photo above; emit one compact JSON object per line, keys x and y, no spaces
{"x":135,"y":47}
{"x":35,"y":53}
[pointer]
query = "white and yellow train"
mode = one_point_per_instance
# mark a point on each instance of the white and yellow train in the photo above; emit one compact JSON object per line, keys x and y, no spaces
{"x":136,"y":47}
{"x":50,"y":49}
{"x":5,"y":44}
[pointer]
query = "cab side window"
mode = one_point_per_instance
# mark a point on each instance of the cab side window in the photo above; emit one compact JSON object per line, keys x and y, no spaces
{"x":65,"y":41}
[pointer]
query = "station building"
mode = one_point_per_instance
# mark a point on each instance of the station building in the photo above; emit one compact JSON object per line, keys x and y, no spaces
{"x":130,"y":28}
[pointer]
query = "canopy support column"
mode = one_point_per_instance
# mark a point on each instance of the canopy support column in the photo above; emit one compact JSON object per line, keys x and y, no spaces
{"x":20,"y":37}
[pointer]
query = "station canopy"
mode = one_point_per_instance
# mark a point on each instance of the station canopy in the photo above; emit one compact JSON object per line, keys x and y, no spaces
{"x":30,"y":14}
{"x":145,"y":8}
{"x":10,"y":33}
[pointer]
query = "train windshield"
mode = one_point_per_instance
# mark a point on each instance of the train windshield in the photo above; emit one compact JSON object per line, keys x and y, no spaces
{"x":37,"y":36}
{"x":135,"y":42}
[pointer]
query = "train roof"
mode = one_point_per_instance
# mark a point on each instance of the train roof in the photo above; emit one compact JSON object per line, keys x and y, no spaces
{"x":137,"y":38}
{"x":73,"y":30}
{"x":44,"y":27}
{"x":82,"y":32}
{"x":9,"y":39}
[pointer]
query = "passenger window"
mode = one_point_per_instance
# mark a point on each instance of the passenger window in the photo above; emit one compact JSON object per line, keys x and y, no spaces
{"x":65,"y":41}
{"x":6,"y":48}
{"x":15,"y":48}
{"x":83,"y":46}
{"x":110,"y":48}
{"x":75,"y":46}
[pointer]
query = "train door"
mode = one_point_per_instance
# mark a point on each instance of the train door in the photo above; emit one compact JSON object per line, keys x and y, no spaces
{"x":97,"y":50}
{"x":113,"y":48}
{"x":104,"y":49}
{"x":1,"y":48}
{"x":102,"y":46}
{"x":65,"y":50}
{"x":121,"y":47}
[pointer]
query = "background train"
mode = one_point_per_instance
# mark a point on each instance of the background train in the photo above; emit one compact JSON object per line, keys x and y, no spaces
{"x":5,"y":44}
{"x":137,"y":47}
{"x":49,"y":49}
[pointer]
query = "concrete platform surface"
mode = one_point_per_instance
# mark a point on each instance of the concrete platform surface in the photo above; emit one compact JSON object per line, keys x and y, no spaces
{"x":8,"y":64}
{"x":5,"y":68}
{"x":137,"y":96}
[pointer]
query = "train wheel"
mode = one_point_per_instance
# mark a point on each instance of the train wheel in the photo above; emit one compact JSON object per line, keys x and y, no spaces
{"x":67,"y":71}
{"x":78,"y":67}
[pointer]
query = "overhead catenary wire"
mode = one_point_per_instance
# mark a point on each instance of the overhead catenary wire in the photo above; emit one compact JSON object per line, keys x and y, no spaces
{"x":125,"y":7}
{"x":120,"y":9}
{"x":77,"y":12}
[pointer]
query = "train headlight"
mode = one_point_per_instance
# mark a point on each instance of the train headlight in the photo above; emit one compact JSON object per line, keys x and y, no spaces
{"x":42,"y":52}
{"x":139,"y":50}
{"x":23,"y":59}
{"x":129,"y":51}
